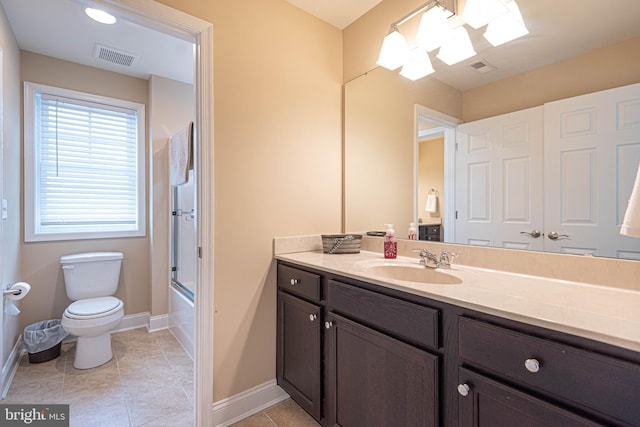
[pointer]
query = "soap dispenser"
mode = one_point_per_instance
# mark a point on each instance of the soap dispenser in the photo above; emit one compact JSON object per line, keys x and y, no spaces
{"x":412,"y":233}
{"x":390,"y":243}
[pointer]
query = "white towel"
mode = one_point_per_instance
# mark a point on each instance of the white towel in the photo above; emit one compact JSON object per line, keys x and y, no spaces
{"x":180,"y":155}
{"x":631,"y":222}
{"x":432,"y":203}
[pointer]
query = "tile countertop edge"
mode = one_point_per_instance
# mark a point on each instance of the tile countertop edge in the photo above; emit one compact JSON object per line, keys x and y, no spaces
{"x":504,"y":298}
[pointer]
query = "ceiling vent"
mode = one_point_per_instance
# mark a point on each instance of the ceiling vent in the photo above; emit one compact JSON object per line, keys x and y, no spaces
{"x":115,"y":56}
{"x":482,"y":66}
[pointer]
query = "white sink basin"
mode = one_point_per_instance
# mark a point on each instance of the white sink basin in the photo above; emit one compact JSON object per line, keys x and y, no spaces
{"x":409,"y":272}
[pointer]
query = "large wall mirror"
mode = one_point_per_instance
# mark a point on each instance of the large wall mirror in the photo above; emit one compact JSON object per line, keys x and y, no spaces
{"x":400,"y":136}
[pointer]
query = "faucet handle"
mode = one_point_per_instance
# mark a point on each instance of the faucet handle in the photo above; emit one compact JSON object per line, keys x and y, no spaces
{"x":446,"y":257}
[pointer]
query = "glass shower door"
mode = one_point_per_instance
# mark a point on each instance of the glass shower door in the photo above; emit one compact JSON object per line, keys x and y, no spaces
{"x":183,"y":237}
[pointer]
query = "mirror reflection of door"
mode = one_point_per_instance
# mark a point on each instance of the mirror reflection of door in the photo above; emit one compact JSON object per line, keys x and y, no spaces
{"x":592,"y":151}
{"x":499,"y":178}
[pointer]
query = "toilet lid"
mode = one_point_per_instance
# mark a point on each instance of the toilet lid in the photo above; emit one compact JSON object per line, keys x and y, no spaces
{"x":94,"y":307}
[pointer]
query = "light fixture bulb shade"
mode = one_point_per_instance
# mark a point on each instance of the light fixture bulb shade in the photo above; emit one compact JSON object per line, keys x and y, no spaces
{"x":457,"y":47}
{"x":506,"y":27}
{"x":478,"y":13}
{"x":433,"y":30}
{"x":418,"y":65}
{"x":394,"y":51}
{"x":100,"y":16}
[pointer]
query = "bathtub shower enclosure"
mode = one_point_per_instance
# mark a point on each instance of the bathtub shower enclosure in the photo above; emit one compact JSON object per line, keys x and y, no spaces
{"x":183,"y":262}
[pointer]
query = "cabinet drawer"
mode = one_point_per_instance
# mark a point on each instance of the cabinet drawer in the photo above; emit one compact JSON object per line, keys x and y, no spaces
{"x":594,"y":381}
{"x":299,"y":282}
{"x":402,"y":319}
{"x":433,"y":229}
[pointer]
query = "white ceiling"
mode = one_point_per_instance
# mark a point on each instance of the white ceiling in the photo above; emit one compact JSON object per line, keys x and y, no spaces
{"x":60,"y":28}
{"x":558,"y":30}
{"x":339,"y":13}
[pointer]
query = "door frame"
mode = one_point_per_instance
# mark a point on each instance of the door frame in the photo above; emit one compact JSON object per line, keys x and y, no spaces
{"x":179,"y":24}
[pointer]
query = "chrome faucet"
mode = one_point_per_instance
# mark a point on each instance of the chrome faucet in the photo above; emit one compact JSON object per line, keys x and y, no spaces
{"x":445,"y":259}
{"x":428,"y":259}
{"x":431,"y":260}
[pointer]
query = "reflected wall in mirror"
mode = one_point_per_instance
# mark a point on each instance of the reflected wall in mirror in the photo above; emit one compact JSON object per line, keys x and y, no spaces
{"x":382,"y":171}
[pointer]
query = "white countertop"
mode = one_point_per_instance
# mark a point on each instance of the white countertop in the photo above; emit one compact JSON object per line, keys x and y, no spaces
{"x":610,"y":315}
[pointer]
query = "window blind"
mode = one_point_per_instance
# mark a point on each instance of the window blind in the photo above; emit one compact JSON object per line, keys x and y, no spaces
{"x":86,"y":166}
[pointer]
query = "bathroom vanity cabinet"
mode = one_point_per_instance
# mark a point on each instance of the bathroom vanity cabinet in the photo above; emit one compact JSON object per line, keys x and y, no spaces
{"x":353,"y":353}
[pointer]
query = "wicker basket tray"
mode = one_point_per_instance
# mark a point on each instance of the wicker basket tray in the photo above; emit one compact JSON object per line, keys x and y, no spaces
{"x":341,"y":243}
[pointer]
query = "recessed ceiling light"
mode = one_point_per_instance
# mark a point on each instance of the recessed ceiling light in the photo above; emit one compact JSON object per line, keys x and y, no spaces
{"x":100,"y":16}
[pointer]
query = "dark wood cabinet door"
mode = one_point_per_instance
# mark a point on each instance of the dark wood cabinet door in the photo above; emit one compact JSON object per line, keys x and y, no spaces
{"x":483,"y":402}
{"x":374,"y":380}
{"x":299,"y":351}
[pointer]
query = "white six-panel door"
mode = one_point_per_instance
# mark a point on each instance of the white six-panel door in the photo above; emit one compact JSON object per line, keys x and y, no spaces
{"x":592,"y":151}
{"x":499,"y":178}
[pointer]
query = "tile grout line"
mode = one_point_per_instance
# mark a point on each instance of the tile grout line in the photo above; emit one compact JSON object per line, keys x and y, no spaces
{"x":270,"y":419}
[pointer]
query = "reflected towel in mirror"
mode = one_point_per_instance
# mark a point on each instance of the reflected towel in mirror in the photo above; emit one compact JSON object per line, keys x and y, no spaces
{"x":432,"y":203}
{"x":631,"y":222}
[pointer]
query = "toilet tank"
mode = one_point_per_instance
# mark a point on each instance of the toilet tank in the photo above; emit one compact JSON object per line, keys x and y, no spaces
{"x":92,"y":274}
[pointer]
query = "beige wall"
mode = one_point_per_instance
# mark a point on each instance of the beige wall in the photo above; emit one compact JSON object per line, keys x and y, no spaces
{"x":171,"y":107}
{"x":277,"y":129}
{"x":40,"y":260}
{"x":430,"y":176}
{"x":10,"y":176}
{"x":379,"y":132}
{"x":613,"y":66}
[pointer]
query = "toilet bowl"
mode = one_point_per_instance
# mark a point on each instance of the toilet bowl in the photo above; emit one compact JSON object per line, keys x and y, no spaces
{"x":90,"y":280}
{"x":91,"y":321}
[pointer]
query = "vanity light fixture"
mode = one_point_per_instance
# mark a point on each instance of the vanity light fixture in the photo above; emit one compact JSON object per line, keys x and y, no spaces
{"x":437,"y":29}
{"x":395,"y":50}
{"x":434,"y":28}
{"x":506,"y":27}
{"x":418,"y":65}
{"x":100,"y":16}
{"x":457,"y":47}
{"x":478,"y":13}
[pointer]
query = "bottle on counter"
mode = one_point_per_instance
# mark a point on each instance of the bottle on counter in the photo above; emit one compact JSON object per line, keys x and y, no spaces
{"x":390,"y":243}
{"x":412,"y":233}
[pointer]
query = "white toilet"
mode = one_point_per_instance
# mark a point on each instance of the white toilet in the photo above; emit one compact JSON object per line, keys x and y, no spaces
{"x":90,"y":279}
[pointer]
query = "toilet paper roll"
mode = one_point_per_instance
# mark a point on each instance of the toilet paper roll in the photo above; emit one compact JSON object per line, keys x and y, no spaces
{"x":23,"y":287}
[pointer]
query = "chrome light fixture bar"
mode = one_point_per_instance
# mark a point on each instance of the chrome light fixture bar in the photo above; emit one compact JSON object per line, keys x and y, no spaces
{"x":502,"y":17}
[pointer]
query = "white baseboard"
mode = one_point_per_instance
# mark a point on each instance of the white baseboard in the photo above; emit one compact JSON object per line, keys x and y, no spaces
{"x":158,"y":323}
{"x":235,"y":408}
{"x":10,"y":367}
{"x":133,"y":321}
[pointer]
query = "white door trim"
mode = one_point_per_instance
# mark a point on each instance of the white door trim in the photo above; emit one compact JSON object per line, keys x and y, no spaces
{"x":179,"y":24}
{"x":445,"y":124}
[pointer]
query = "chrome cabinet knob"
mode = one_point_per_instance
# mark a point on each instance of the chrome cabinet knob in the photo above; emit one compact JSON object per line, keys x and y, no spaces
{"x":532,"y":365}
{"x":533,"y":233}
{"x":313,"y":317}
{"x":464,"y":389}
{"x":294,"y":282}
{"x":555,"y":236}
{"x":328,"y":325}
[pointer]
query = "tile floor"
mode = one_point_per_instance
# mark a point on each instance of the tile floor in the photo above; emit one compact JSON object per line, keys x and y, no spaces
{"x":284,"y":414}
{"x":149,"y":382}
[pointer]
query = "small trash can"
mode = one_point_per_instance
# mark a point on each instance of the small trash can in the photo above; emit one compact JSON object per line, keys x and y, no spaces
{"x":43,"y":340}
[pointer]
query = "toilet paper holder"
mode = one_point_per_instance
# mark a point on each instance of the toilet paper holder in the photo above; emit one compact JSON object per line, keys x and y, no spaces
{"x":7,"y":292}
{"x":16,"y":291}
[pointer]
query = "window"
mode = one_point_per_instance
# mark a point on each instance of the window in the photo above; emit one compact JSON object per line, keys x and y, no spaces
{"x":84,"y":165}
